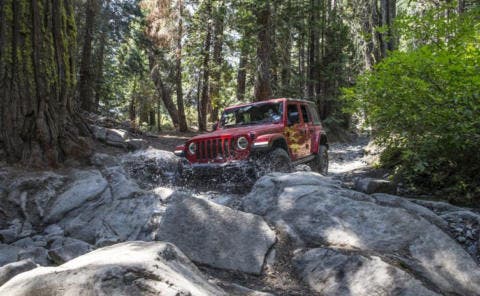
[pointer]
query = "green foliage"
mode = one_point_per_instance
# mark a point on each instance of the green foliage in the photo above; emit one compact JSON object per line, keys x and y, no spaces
{"x":424,"y":104}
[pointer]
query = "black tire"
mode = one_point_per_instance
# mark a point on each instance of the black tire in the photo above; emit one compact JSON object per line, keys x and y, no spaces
{"x":276,"y":160}
{"x":320,"y":162}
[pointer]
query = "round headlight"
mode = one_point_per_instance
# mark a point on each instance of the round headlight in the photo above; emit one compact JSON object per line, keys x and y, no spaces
{"x":242,"y":143}
{"x":192,"y":148}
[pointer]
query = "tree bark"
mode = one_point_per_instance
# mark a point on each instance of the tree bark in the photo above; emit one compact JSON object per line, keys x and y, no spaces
{"x":313,"y":49}
{"x":163,"y":90}
{"x":38,"y":124}
{"x":132,"y":108}
{"x":99,"y":81}
{"x":263,"y":89}
{"x":205,"y":97}
{"x":182,"y":121}
{"x":461,"y":6}
{"x":217,"y":62}
{"x":87,"y":79}
{"x":242,"y":74}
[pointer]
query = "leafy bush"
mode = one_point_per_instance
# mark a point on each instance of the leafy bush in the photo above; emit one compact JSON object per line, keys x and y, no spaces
{"x":424,"y":106}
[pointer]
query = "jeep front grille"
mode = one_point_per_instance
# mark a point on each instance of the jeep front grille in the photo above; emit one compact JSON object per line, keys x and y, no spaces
{"x":215,"y":149}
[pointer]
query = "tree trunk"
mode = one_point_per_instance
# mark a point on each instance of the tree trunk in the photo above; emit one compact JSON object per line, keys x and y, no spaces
{"x":182,"y":121}
{"x":461,"y":6}
{"x":151,"y":122}
{"x":286,"y":51}
{"x":38,"y":124}
{"x":163,"y":90}
{"x":87,"y":79}
{"x":242,"y":74}
{"x":217,"y":62}
{"x":132,"y":109}
{"x":205,"y":97}
{"x":388,"y":12}
{"x":263,"y":89}
{"x":159,"y":114}
{"x":392,"y":14}
{"x":369,"y":16}
{"x":313,"y":49}
{"x":101,"y":56}
{"x":301,"y":63}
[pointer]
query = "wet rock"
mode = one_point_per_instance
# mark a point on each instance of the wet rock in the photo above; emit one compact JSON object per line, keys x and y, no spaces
{"x":33,"y":193}
{"x":53,"y":229}
{"x":151,"y":167}
{"x":24,"y":243}
{"x":87,"y":185}
{"x":215,"y":235}
{"x":136,"y":144}
{"x":322,"y":213}
{"x":8,"y":235}
{"x":122,"y":186}
{"x":370,"y":186}
{"x":303,"y":168}
{"x":116,"y":137}
{"x":39,"y":255}
{"x":65,"y":249}
{"x":238,"y":290}
{"x":16,"y":230}
{"x":331,"y":272}
{"x":99,"y":132}
{"x":104,"y":160}
{"x":132,"y":268}
{"x":8,"y":254}
{"x":10,"y":270}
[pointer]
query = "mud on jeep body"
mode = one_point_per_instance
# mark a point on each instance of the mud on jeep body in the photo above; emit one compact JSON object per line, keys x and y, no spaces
{"x":259,"y":138}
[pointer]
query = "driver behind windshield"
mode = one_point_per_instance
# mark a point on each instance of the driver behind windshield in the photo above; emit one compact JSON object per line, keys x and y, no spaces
{"x":252,"y":114}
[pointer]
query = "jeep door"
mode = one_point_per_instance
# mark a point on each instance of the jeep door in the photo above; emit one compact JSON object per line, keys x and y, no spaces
{"x":308,"y":129}
{"x":295,"y":131}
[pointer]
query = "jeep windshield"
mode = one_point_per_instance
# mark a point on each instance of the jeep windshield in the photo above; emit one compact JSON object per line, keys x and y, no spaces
{"x":252,"y":114}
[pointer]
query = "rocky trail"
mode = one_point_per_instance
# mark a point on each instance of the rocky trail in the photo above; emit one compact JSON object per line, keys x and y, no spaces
{"x":120,"y":225}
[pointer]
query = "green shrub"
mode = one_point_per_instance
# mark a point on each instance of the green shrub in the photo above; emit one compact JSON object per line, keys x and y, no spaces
{"x":424,"y":106}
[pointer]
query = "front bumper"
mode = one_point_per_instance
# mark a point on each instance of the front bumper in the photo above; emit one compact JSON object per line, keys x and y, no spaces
{"x":228,"y":169}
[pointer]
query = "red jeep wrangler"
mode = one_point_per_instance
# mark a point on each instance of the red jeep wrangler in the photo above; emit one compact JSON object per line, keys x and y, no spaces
{"x":258,"y":138}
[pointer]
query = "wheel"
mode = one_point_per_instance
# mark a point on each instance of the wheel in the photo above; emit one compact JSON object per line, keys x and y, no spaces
{"x":320,"y":162}
{"x":277,"y":160}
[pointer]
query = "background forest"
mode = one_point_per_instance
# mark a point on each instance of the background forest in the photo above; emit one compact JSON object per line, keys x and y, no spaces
{"x":407,"y":70}
{"x":413,"y":65}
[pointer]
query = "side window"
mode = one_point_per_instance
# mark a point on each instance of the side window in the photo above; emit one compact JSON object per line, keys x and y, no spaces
{"x":314,"y":114}
{"x":306,"y":118}
{"x":292,"y":114}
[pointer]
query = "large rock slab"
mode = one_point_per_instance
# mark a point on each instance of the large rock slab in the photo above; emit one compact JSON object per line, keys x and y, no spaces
{"x":332,"y":272}
{"x":132,"y":268}
{"x":216,"y":235}
{"x":321,"y":213}
{"x":108,"y":220}
{"x":87,"y":185}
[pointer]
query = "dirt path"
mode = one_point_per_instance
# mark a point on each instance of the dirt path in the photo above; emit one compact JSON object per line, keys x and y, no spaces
{"x":347,"y":157}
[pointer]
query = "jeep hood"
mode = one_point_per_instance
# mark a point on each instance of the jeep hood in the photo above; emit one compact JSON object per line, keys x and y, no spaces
{"x":258,"y":130}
